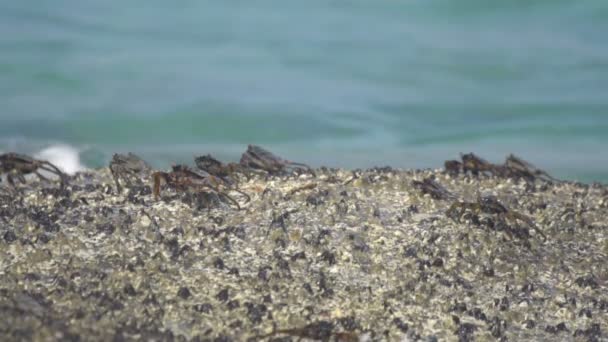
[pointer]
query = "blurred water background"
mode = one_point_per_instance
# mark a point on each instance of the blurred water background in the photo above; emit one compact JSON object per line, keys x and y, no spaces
{"x":338,"y":83}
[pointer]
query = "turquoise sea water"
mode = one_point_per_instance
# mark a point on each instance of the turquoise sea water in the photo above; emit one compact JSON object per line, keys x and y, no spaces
{"x":337,"y":83}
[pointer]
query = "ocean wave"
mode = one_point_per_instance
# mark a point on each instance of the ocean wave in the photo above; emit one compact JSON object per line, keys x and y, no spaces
{"x":65,"y":157}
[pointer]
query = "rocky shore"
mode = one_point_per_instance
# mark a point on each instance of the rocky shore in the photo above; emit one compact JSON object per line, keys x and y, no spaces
{"x":377,"y":254}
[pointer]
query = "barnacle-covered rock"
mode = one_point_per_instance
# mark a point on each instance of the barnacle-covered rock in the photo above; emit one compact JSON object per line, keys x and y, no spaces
{"x":329,"y":255}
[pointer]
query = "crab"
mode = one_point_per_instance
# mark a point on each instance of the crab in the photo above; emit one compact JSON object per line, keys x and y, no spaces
{"x":258,"y":158}
{"x":434,"y":189}
{"x":129,"y":168}
{"x":183,"y":178}
{"x":514,"y":167}
{"x":477,"y":165}
{"x":490,"y":205}
{"x":521,"y":168}
{"x":16,"y":166}
{"x":226,"y":172}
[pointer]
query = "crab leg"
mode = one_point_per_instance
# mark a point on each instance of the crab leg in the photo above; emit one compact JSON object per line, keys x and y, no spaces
{"x":230,"y":199}
{"x":158,"y":176}
{"x":10,"y":179}
{"x":219,"y":192}
{"x":41,"y":176}
{"x":528,"y":221}
{"x":244,"y":194}
{"x":47,"y":166}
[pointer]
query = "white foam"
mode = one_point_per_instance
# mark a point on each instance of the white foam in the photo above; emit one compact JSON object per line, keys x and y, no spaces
{"x":66,"y":158}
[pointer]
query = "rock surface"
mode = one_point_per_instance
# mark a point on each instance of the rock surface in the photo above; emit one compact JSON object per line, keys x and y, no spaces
{"x":337,"y":255}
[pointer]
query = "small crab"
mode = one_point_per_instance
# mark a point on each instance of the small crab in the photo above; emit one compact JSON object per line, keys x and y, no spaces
{"x":453,"y":167}
{"x":434,"y":189}
{"x":514,"y":167}
{"x":522,"y":169}
{"x":258,"y":158}
{"x":218,"y":169}
{"x":490,"y":205}
{"x":16,"y":166}
{"x":477,"y":165}
{"x":183,"y":178}
{"x":129,"y":168}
